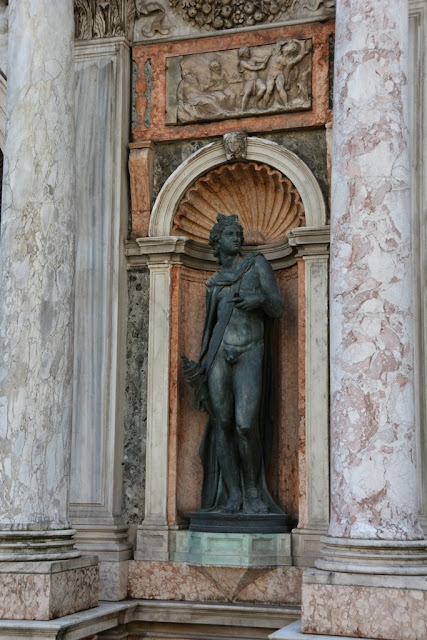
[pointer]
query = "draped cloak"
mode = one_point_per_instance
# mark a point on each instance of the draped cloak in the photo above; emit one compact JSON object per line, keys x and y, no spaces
{"x":214,"y":492}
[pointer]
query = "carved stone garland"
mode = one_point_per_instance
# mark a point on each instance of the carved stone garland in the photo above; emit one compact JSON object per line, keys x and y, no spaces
{"x":266,"y":201}
{"x":231,"y":14}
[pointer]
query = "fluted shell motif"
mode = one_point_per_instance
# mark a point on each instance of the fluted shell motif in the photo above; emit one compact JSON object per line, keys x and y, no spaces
{"x":267,"y":203}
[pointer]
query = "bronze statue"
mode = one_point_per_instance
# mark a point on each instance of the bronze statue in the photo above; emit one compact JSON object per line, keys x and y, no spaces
{"x":233,"y":377}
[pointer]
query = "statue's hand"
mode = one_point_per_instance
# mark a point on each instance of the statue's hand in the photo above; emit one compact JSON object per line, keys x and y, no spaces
{"x":249,"y":302}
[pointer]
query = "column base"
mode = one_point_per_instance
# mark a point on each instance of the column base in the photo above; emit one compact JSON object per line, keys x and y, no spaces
{"x":391,"y":607}
{"x":390,"y":557}
{"x":47,"y":590}
{"x":32,"y":544}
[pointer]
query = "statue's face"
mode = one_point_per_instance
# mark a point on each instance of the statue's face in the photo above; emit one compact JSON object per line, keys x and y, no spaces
{"x":230,"y":242}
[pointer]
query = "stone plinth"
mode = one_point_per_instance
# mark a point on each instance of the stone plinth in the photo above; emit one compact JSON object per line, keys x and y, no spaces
{"x":47,"y":590}
{"x":378,"y":606}
{"x":233,"y":549}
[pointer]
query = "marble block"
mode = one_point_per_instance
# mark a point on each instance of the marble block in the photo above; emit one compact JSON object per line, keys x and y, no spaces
{"x":387,"y":607}
{"x":47,"y":590}
{"x":233,"y":549}
{"x":180,"y":581}
{"x":113,"y":580}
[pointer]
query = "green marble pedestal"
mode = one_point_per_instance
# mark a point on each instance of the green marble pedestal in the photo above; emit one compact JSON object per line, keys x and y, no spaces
{"x":233,"y":549}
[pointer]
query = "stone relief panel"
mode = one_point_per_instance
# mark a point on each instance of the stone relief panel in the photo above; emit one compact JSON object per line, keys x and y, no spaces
{"x":103,"y":18}
{"x":267,"y":203}
{"x":260,"y":80}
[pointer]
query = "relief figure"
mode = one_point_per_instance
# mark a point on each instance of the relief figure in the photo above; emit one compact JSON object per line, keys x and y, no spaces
{"x":284,"y":59}
{"x":253,"y":85}
{"x":193,"y":102}
{"x":219,"y":85}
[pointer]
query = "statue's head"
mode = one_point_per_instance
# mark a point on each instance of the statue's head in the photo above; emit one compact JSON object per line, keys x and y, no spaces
{"x":222,"y":223}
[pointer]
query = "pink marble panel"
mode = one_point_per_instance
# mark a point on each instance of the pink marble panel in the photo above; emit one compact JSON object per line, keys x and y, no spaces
{"x":191,"y":423}
{"x":281,"y":585}
{"x":181,"y":581}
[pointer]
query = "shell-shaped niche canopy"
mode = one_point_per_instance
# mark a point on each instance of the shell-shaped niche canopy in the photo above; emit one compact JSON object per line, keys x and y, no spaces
{"x":267,"y":203}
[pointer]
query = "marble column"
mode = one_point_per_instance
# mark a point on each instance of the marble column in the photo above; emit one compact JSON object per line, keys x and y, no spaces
{"x":36,"y":318}
{"x":372,"y":398}
{"x":373,"y":527}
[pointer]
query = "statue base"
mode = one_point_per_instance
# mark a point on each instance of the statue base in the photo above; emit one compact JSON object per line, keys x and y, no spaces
{"x":217,"y":522}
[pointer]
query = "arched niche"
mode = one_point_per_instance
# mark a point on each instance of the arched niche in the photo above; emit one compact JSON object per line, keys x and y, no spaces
{"x":179,"y":263}
{"x":213,"y":155}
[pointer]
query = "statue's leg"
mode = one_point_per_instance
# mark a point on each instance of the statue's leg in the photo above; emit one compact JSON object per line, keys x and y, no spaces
{"x":222,"y":400}
{"x":247,"y":387}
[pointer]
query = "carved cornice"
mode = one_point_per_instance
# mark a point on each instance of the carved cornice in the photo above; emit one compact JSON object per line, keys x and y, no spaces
{"x":103,"y":18}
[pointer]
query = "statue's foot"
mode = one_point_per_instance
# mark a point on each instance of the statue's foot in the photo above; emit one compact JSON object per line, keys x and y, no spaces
{"x":234,"y":504}
{"x":255,"y":504}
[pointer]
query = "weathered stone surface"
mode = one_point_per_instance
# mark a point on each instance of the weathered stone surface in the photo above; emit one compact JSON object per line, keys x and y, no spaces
{"x":136,"y":398}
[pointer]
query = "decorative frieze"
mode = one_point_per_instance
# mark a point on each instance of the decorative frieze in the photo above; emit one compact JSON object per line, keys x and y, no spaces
{"x":248,"y":81}
{"x":233,"y":14}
